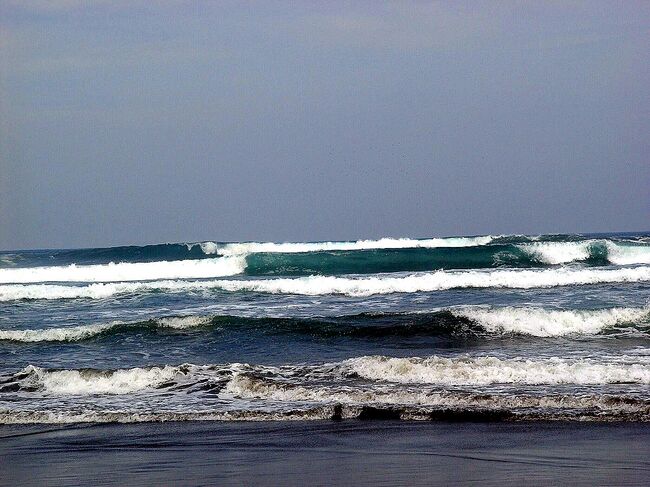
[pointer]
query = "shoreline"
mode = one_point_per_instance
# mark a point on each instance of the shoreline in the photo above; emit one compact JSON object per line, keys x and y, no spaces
{"x":326,"y":452}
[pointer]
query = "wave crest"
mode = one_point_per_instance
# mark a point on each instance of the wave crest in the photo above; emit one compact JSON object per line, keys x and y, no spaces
{"x":85,"y":332}
{"x":351,"y":286}
{"x":554,"y":253}
{"x":84,"y":382}
{"x":126,"y":271}
{"x":244,"y":248}
{"x":461,"y":322}
{"x":492,"y":370}
{"x":240,"y":379}
{"x":548,"y":323}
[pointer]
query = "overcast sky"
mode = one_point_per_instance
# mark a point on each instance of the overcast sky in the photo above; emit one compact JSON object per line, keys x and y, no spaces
{"x":130,"y":122}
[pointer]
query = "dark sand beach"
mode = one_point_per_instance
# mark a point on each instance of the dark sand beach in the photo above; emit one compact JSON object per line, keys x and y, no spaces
{"x":326,"y":453}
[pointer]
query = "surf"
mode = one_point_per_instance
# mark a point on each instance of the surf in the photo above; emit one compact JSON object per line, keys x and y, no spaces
{"x":461,"y":322}
{"x":253,"y":259}
{"x":126,"y":271}
{"x":349,"y":286}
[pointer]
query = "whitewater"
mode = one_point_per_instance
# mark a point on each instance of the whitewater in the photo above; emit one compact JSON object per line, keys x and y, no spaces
{"x":505,"y":327}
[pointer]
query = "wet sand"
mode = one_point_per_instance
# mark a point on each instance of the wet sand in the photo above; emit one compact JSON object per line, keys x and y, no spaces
{"x":351,"y":452}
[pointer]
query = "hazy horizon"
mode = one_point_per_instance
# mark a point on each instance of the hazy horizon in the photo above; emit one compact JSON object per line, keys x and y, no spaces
{"x":130,"y":123}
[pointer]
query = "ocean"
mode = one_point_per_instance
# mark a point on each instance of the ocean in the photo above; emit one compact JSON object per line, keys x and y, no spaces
{"x":505,"y":328}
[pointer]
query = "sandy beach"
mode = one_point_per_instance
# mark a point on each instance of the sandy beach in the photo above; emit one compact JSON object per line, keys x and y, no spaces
{"x":326,"y":453}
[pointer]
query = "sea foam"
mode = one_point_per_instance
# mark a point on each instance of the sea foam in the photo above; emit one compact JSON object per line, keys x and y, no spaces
{"x":617,"y":253}
{"x":620,"y":254}
{"x":495,"y":320}
{"x":126,"y":271}
{"x":245,"y":248}
{"x":379,"y":370}
{"x":547,"y":323}
{"x":557,"y":252}
{"x":351,"y":286}
{"x":85,"y":332}
{"x":83,"y":382}
{"x":247,"y":387}
{"x":493,"y":370}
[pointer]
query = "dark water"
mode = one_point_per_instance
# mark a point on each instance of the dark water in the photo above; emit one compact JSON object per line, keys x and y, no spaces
{"x":492,"y":328}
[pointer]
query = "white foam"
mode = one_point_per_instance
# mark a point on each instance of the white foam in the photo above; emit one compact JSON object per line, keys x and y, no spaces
{"x":127,"y":271}
{"x":246,"y":387}
{"x":527,"y":320}
{"x":245,"y":248}
{"x":622,"y":254}
{"x":243,"y":386}
{"x":324,"y":403}
{"x":565,"y":252}
{"x":492,"y":370}
{"x":129,"y":416}
{"x":464,"y":370}
{"x":546,"y":323}
{"x":61,"y":334}
{"x":351,"y":286}
{"x":84,"y":332}
{"x":182,"y":322}
{"x":557,"y":252}
{"x":82,"y":382}
{"x":436,"y":281}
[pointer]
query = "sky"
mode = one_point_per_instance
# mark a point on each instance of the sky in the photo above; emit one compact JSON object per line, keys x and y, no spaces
{"x":145,"y":121}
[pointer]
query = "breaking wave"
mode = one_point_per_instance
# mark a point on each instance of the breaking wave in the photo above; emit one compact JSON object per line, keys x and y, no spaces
{"x":554,"y":253}
{"x":368,"y":387}
{"x":245,"y":248}
{"x":459,"y":322}
{"x":122,"y":381}
{"x":175,"y":261}
{"x":492,"y":370}
{"x":548,"y":323}
{"x":126,"y":271}
{"x":350,"y":286}
{"x":434,"y":370}
{"x":85,"y":332}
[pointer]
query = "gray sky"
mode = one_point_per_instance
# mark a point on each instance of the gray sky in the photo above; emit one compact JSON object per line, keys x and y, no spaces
{"x":147,"y":121}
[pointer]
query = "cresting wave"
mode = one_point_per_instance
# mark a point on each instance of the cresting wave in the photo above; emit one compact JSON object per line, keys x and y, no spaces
{"x":548,"y":323}
{"x":350,"y":286}
{"x":438,"y":371}
{"x":245,"y":248}
{"x":459,"y":321}
{"x":127,"y":271}
{"x":492,"y":370}
{"x":85,"y":332}
{"x":495,"y":254}
{"x":193,"y":251}
{"x":565,"y":252}
{"x":364,"y":387}
{"x":327,"y":258}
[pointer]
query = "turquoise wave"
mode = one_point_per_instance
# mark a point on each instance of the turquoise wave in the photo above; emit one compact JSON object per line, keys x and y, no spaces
{"x":364,"y":257}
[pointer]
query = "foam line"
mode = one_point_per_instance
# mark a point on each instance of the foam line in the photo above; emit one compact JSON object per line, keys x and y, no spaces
{"x":126,"y":271}
{"x":351,"y":286}
{"x":245,"y":248}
